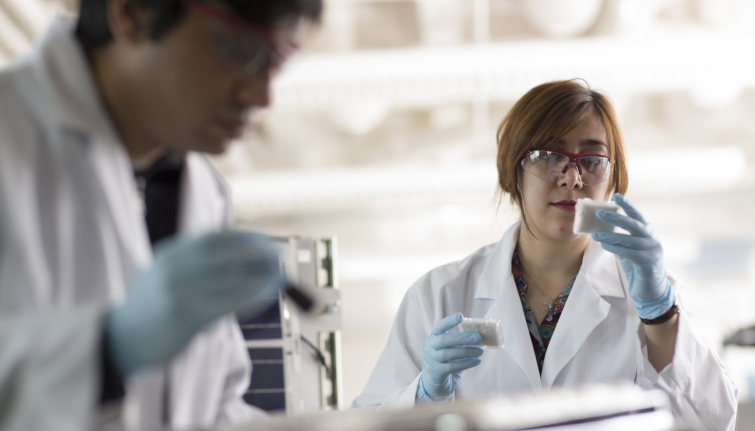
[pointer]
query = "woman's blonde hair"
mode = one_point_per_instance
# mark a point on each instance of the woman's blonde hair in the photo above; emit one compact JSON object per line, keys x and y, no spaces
{"x":543,"y":116}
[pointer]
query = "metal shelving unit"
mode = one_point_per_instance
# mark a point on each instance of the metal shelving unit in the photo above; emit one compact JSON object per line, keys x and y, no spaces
{"x":296,"y":356}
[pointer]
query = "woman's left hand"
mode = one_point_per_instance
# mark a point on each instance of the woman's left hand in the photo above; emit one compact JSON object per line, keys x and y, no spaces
{"x":641,"y":256}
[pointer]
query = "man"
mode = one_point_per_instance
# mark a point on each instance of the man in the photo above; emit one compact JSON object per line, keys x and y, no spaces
{"x":101,"y":131}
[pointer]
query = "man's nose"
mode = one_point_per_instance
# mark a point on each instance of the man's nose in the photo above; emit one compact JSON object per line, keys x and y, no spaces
{"x":571,"y":177}
{"x":254,"y":90}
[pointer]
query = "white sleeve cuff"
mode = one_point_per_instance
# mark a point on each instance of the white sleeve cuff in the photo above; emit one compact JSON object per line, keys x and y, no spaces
{"x":695,"y":380}
{"x":404,"y":398}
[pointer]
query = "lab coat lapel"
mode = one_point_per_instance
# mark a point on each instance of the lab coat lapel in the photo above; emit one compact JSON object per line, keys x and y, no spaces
{"x":585,"y":309}
{"x":203,"y":204}
{"x":203,"y":209}
{"x":76,"y":110}
{"x":497,"y":283}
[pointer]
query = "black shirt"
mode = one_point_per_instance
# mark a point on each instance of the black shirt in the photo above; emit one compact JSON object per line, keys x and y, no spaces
{"x":160,"y":186}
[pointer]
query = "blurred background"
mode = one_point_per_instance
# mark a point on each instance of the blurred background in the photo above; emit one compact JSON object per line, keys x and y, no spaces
{"x":382,"y":133}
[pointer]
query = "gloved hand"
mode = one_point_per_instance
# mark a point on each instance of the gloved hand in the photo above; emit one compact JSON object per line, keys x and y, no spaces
{"x":641,"y":257}
{"x":193,"y":281}
{"x":444,"y":358}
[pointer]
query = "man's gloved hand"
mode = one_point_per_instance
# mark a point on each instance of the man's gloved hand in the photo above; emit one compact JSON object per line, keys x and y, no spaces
{"x":641,"y":256}
{"x":193,"y":281}
{"x":444,"y":358}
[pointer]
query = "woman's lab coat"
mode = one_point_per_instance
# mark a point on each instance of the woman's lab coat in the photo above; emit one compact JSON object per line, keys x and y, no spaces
{"x":72,"y":230}
{"x":599,"y":338}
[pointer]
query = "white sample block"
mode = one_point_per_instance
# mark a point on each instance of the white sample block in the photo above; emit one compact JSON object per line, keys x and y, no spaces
{"x":585,"y":220}
{"x":489,"y":329}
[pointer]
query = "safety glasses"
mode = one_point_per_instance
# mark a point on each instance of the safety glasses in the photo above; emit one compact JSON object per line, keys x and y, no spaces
{"x":552,"y":165}
{"x":253,"y":54}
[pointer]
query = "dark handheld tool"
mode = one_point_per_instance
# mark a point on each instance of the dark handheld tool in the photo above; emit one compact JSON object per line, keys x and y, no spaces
{"x":301,"y":299}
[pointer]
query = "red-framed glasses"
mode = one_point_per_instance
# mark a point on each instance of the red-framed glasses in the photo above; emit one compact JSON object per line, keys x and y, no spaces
{"x":552,"y":165}
{"x":255,"y":54}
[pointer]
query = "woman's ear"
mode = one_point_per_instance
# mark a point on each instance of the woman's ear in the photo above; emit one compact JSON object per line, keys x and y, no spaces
{"x":519,"y":182}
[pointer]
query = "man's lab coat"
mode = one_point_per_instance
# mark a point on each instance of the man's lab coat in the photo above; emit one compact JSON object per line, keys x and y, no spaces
{"x":73,"y":233}
{"x":48,"y":369}
{"x":599,"y":339}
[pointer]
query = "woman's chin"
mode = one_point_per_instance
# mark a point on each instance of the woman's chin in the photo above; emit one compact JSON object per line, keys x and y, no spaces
{"x":564,"y":232}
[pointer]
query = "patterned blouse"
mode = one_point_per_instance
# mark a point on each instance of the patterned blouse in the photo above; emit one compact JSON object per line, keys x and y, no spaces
{"x":540,"y":337}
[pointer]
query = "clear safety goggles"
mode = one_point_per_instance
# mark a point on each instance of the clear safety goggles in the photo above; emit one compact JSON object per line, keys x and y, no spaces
{"x":260,"y":51}
{"x":552,"y":165}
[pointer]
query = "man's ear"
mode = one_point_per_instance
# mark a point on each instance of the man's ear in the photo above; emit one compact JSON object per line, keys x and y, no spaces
{"x":127,"y":21}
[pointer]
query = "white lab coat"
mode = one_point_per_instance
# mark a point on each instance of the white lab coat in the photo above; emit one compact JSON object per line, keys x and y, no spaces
{"x":598,"y":338}
{"x":72,"y":229}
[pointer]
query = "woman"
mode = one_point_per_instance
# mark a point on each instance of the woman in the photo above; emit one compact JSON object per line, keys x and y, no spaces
{"x":575,"y":309}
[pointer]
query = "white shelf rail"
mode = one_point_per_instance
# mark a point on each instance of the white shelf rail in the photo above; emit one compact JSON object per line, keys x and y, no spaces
{"x":427,"y":76}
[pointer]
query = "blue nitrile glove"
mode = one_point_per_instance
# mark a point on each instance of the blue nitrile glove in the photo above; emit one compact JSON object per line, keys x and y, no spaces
{"x":192,"y":282}
{"x":444,"y":358}
{"x":641,"y":256}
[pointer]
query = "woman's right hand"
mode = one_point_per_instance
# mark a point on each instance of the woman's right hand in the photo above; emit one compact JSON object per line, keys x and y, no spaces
{"x":444,"y":357}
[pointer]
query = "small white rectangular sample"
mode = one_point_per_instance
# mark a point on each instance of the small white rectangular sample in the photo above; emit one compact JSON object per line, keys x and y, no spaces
{"x":585,"y":220}
{"x":489,"y":329}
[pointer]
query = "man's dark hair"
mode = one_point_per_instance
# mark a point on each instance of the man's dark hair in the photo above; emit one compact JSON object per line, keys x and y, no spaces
{"x":93,"y":30}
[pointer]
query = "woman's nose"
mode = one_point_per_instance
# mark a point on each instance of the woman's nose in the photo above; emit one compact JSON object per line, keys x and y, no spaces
{"x":571,"y":177}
